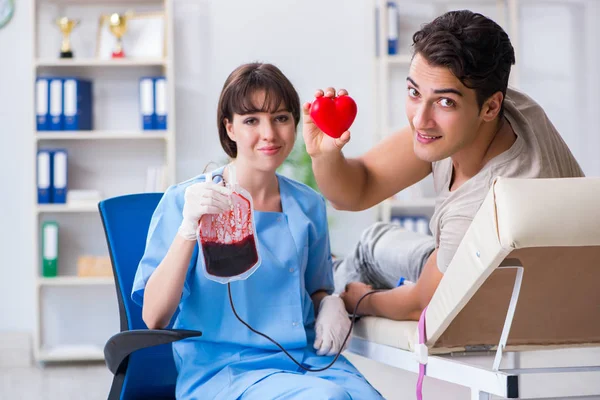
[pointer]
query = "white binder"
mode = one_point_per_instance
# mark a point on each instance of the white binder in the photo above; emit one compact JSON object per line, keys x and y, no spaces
{"x":147,"y":103}
{"x":56,"y":105}
{"x":44,"y":177}
{"x":59,"y":160}
{"x":42,"y":106}
{"x":160,"y":103}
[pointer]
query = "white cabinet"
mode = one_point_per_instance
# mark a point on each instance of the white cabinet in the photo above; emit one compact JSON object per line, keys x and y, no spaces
{"x":75,"y":315}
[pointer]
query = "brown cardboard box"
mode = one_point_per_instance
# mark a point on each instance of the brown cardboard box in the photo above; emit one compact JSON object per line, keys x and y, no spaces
{"x":94,"y":266}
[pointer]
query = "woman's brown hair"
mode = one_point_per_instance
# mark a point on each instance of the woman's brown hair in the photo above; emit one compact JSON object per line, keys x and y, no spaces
{"x":236,"y":97}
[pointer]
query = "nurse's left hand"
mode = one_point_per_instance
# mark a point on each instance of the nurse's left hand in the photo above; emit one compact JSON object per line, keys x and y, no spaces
{"x":354,"y":291}
{"x":331,"y":327}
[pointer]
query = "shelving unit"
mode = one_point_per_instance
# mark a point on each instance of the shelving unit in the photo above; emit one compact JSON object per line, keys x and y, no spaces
{"x":103,"y":135}
{"x":76,"y":315}
{"x":390,"y":73}
{"x":71,"y":353}
{"x":67,"y":208}
{"x":116,"y":63}
{"x":75,"y":281}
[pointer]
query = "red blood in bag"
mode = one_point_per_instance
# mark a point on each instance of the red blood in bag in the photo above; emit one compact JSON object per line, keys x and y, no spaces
{"x":226,"y":260}
{"x":228,"y":240}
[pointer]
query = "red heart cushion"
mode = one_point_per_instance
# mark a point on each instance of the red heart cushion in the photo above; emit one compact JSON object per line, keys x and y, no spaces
{"x":333,"y":115}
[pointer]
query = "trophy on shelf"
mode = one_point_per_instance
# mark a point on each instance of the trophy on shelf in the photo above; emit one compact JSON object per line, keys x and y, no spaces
{"x":117,"y":24}
{"x":66,"y":26}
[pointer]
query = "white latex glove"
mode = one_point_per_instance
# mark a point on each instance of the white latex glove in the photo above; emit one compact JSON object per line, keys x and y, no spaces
{"x":332,"y":326}
{"x":202,"y":198}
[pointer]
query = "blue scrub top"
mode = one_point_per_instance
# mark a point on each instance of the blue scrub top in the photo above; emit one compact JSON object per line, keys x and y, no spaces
{"x":275,"y":299}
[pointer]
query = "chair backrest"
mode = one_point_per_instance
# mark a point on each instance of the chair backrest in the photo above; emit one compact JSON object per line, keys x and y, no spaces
{"x":150,"y":372}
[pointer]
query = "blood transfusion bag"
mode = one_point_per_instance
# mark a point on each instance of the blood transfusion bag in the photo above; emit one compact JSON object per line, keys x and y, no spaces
{"x":227,"y":241}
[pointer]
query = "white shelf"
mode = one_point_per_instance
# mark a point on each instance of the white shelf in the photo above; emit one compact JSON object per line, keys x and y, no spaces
{"x":76,"y":281}
{"x":101,"y":2}
{"x":68,"y":208}
{"x":102,"y":135}
{"x":71,"y":353}
{"x":92,"y":62}
{"x":399,"y":59}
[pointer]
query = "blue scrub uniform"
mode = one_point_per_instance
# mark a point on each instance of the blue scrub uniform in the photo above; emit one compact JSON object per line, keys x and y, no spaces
{"x":229,"y":361}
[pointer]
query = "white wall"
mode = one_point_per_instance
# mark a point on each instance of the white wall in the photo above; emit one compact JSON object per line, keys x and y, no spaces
{"x":309,"y":40}
{"x":16,"y":173}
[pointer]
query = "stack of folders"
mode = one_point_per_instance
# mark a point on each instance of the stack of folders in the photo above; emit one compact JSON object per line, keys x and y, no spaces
{"x":393,"y":23}
{"x":52,"y":174}
{"x":416,"y":223}
{"x":153,"y":102}
{"x":64,"y":104}
{"x":49,"y":248}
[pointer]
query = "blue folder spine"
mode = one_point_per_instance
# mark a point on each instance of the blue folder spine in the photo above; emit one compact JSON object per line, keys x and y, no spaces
{"x":44,"y":176}
{"x":59,"y":176}
{"x":160,"y":103}
{"x":42,"y":104}
{"x":78,"y":104}
{"x":147,"y":100}
{"x":56,"y":104}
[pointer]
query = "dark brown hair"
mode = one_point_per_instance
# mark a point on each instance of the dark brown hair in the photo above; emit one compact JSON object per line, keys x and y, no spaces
{"x":236,"y":97}
{"x":473,"y":47}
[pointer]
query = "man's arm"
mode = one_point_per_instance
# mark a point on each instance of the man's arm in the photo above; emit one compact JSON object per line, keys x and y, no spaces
{"x":402,"y":303}
{"x":359,"y":183}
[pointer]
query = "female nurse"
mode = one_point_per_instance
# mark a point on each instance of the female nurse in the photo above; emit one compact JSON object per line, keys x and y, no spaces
{"x":288,"y":298}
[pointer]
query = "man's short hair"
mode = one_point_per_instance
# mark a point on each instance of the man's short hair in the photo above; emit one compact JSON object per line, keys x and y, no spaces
{"x":475,"y":48}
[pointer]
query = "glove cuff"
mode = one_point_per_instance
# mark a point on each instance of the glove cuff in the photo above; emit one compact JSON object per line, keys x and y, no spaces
{"x":187,"y":230}
{"x":329,"y":297}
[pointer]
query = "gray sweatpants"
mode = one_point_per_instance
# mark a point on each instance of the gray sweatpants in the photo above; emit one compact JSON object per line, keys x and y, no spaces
{"x":384,"y":253}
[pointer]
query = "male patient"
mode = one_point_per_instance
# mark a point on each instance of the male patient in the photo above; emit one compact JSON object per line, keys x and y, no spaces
{"x":467,"y":128}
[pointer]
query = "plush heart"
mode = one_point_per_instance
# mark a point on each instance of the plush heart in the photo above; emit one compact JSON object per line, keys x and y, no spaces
{"x":333,"y":115}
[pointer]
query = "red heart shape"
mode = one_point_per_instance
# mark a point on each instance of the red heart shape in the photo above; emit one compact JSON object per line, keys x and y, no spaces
{"x":333,"y":115}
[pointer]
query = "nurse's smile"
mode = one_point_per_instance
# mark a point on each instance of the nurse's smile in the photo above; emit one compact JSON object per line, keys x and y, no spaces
{"x":270,"y":150}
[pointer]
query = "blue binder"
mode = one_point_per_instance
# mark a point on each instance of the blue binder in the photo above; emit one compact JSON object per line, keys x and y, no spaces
{"x":160,"y":103}
{"x":56,"y":104}
{"x":59,"y":176}
{"x":147,"y":102}
{"x":77,"y":104}
{"x":44,"y":176}
{"x":393,"y":33}
{"x":42,"y":104}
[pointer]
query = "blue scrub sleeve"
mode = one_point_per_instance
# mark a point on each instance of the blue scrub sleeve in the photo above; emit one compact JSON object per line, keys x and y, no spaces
{"x":163,"y":227}
{"x":319,"y":269}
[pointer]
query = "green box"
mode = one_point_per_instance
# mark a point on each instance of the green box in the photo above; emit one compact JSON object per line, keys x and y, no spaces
{"x":49,"y":249}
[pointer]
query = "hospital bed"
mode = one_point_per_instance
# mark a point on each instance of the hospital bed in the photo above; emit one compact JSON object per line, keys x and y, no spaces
{"x":525,"y":278}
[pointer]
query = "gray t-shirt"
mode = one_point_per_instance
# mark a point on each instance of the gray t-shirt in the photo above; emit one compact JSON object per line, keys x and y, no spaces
{"x":538,"y":152}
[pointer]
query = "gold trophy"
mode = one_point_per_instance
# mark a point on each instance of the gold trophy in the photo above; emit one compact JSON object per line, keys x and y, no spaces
{"x":66,"y":26}
{"x":117,"y":24}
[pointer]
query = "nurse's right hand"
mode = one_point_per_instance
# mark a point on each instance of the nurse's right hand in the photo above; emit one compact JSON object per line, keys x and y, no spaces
{"x":202,"y":198}
{"x":318,"y":143}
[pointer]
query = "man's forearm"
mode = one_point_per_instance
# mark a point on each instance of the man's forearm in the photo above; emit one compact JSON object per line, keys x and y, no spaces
{"x":399,"y":304}
{"x":341,"y":180}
